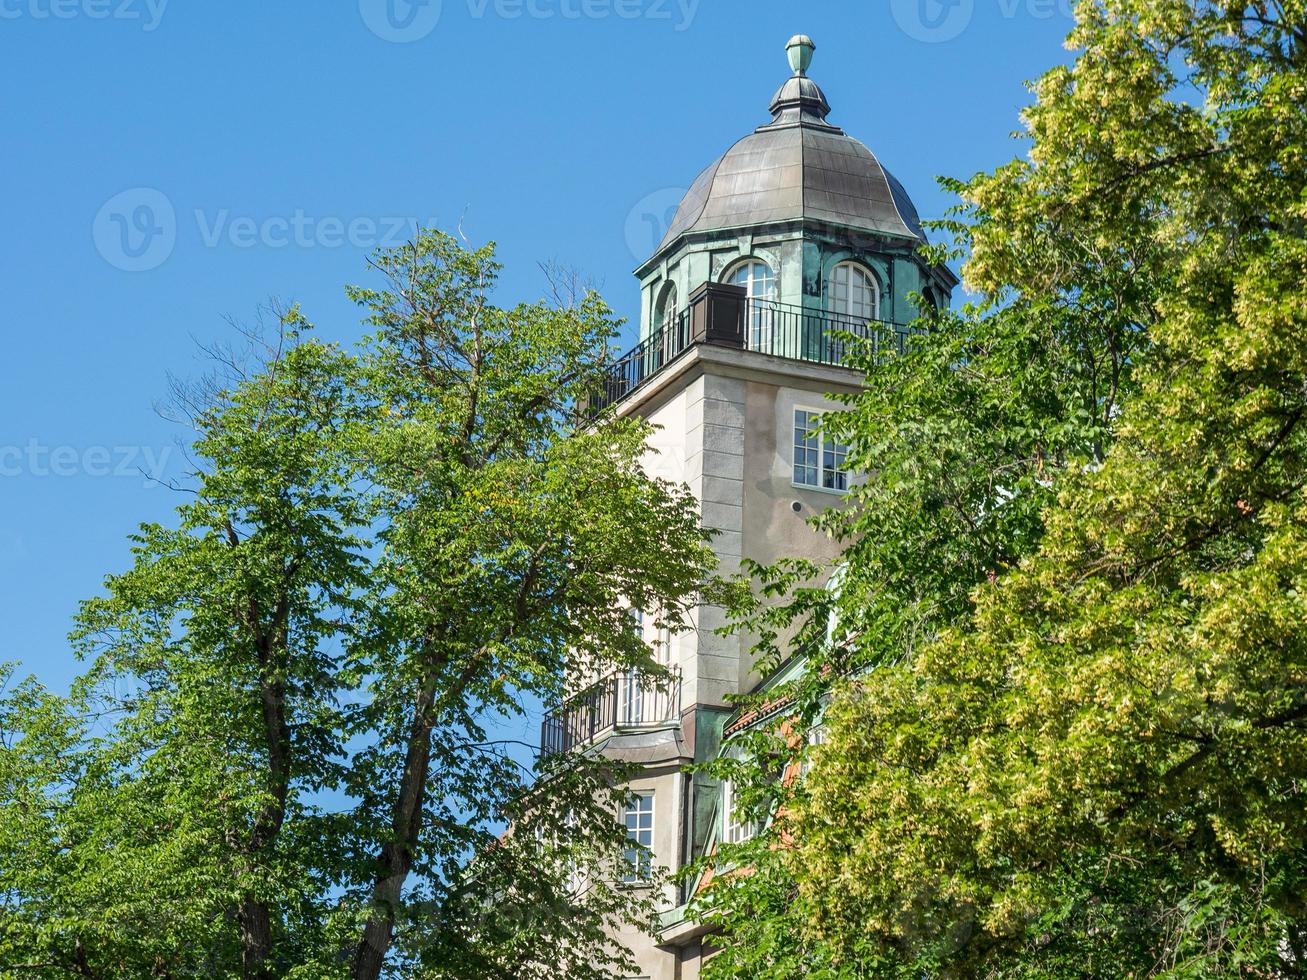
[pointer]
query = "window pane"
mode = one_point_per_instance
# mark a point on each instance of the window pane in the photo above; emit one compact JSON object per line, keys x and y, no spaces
{"x":806,"y":449}
{"x":757,"y":278}
{"x":854,"y":293}
{"x":818,"y":462}
{"x":630,"y":709}
{"x":736,"y":830}
{"x":666,"y":309}
{"x":834,"y":455}
{"x":759,"y":284}
{"x":639,"y":831}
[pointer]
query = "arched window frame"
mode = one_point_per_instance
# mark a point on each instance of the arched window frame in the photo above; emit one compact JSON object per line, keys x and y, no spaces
{"x":844,"y":306}
{"x":772,"y":292}
{"x":669,"y":338}
{"x":666,"y":305}
{"x":763,"y":293}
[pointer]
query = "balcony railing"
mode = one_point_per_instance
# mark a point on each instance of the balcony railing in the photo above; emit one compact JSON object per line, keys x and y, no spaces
{"x":622,"y":701}
{"x":643,"y":361}
{"x":803,"y":334}
{"x":723,"y":316}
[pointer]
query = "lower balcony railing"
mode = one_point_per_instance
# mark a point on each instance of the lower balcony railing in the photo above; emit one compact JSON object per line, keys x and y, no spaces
{"x":621,"y":701}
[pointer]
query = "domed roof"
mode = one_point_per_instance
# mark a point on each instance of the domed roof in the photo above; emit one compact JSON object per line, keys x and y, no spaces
{"x":797,"y":167}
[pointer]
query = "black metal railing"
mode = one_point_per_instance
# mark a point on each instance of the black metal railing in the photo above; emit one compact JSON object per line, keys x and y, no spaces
{"x":621,"y":701}
{"x":643,"y":361}
{"x":796,"y":333}
{"x":802,"y":334}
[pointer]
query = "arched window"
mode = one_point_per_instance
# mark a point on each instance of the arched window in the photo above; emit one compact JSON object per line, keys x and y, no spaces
{"x":665,"y":315}
{"x":669,"y":336}
{"x":759,"y":283}
{"x":854,"y":293}
{"x":756,"y":277}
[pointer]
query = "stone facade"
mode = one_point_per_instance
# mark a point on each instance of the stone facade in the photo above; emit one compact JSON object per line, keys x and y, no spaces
{"x":725,"y":418}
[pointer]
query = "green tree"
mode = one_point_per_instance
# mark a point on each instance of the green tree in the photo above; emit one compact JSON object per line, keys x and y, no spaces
{"x":1071,"y":740}
{"x":292,"y":755}
{"x":515,"y":547}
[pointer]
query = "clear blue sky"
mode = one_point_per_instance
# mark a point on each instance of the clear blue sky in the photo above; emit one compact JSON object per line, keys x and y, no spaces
{"x":284,"y":138}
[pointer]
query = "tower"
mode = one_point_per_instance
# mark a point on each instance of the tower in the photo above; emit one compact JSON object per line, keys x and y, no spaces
{"x":784,"y":245}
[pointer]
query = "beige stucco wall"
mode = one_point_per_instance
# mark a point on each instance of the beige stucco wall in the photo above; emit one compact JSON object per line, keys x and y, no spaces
{"x":724,"y":427}
{"x":772,"y":526}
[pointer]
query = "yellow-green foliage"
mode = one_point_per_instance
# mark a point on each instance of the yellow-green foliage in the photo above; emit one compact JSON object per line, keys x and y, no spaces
{"x":1071,"y":734}
{"x":1101,"y":770}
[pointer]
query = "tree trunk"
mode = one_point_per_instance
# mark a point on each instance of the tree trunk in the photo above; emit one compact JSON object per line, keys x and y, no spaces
{"x":254,"y":917}
{"x":396,"y":857}
{"x":256,"y":940}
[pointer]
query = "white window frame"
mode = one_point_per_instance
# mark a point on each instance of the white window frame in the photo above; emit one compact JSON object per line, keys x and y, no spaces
{"x":662,"y":644}
{"x":835,"y":300}
{"x":838,"y":475}
{"x":752,"y":281}
{"x":734,"y":830}
{"x":637,"y":860}
{"x":666,"y":314}
{"x":666,"y":310}
{"x":760,"y":321}
{"x":630,"y":699}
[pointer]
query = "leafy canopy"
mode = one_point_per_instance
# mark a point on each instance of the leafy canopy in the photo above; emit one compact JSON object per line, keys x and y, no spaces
{"x":294,"y":752}
{"x":1070,"y":741}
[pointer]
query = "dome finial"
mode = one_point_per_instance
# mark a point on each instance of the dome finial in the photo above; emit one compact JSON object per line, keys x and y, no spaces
{"x":800,"y":49}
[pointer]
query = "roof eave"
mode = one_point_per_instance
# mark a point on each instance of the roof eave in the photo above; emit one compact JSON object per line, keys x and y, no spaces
{"x":705,"y":235}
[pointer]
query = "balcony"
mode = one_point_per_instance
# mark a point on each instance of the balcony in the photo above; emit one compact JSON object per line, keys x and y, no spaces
{"x":722,"y":315}
{"x":621,"y":702}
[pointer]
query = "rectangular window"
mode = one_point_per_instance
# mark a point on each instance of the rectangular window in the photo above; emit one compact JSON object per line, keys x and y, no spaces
{"x":737,"y":830}
{"x":639,"y":832}
{"x":663,"y":646}
{"x":630,"y":699}
{"x":819,"y":461}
